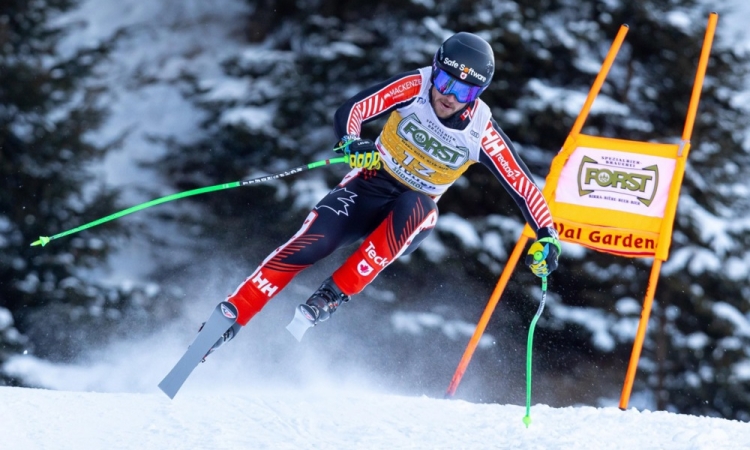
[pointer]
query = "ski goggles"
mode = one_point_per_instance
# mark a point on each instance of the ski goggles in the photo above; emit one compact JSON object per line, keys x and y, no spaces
{"x":447,"y":84}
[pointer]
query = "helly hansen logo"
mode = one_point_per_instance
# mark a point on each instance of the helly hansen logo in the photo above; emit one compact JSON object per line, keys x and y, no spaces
{"x":373,"y":255}
{"x":495,"y":146}
{"x":264,"y":285}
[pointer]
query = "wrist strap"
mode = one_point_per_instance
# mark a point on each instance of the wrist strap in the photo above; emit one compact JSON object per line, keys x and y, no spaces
{"x":551,"y":240}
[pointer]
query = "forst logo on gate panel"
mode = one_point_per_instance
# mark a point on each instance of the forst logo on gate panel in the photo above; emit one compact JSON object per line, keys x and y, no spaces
{"x":602,"y":178}
{"x":450,"y":156}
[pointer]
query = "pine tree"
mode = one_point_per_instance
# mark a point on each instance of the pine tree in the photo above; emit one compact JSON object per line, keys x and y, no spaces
{"x":46,"y":302}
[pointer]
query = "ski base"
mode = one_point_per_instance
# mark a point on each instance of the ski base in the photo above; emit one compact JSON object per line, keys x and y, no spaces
{"x":302,"y":321}
{"x":221,"y":319}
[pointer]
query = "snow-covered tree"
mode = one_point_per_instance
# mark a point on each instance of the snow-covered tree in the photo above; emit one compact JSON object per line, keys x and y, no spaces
{"x":46,"y":301}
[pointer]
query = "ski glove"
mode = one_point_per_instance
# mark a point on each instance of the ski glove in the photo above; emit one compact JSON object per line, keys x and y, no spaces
{"x":542,"y":256}
{"x":360,"y":153}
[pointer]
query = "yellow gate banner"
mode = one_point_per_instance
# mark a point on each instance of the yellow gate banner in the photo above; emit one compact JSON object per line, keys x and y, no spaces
{"x":611,"y":195}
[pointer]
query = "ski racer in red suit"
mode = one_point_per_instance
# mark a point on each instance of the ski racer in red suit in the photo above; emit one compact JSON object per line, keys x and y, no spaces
{"x":437,"y":127}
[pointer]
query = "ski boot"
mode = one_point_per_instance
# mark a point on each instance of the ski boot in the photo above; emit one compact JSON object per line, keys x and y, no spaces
{"x":318,"y":308}
{"x":226,"y":337}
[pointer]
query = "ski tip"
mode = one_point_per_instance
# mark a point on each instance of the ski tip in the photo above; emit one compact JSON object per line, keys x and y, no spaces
{"x":168,"y":390}
{"x":299,"y":324}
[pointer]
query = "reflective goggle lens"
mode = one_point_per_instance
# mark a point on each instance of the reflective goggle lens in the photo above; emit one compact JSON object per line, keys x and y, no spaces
{"x":447,"y":84}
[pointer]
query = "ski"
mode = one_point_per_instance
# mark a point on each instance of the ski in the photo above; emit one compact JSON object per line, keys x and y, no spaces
{"x":303,"y":320}
{"x":222,"y":318}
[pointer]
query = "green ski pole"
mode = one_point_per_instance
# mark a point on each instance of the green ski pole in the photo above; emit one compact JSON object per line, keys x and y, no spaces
{"x":530,"y":344}
{"x":44,"y":240}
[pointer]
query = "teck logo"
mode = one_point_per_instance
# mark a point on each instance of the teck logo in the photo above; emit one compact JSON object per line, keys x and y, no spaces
{"x":410,"y":126}
{"x":373,"y":255}
{"x":608,"y":176}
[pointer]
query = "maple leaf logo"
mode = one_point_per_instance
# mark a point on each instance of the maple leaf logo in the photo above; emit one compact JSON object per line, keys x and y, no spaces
{"x":338,"y":201}
{"x":364,"y":268}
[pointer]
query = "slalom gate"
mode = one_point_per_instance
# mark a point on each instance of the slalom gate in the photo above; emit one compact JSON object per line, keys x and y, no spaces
{"x":614,"y":196}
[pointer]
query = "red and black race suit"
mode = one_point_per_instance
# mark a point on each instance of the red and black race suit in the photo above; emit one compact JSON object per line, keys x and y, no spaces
{"x":391,"y":214}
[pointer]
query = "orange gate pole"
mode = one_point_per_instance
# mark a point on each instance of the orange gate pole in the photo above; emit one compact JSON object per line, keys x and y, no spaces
{"x":699,"y":76}
{"x":599,"y":80}
{"x":670,"y":211}
{"x":640,"y":334}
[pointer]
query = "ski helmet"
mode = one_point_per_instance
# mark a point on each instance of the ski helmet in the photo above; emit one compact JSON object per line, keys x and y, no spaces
{"x":467,"y":57}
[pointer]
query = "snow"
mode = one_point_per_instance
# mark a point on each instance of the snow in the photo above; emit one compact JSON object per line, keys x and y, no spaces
{"x":742,"y":371}
{"x":460,"y":228}
{"x":697,"y":341}
{"x":731,"y":314}
{"x":596,"y":321}
{"x":679,"y":19}
{"x":572,"y":101}
{"x":160,"y":42}
{"x":156,"y":45}
{"x":416,"y":322}
{"x":254,"y":118}
{"x":330,"y":418}
{"x":6,"y":318}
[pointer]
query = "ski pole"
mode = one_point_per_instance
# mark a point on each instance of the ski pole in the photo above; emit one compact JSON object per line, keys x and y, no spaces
{"x":529,"y":345}
{"x":44,"y":240}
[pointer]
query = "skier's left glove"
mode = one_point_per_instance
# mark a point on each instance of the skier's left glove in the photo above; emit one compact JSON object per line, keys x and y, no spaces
{"x":360,"y":153}
{"x":542,"y":255}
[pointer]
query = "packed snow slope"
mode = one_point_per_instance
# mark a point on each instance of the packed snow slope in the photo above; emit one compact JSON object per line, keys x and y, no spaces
{"x":318,"y":418}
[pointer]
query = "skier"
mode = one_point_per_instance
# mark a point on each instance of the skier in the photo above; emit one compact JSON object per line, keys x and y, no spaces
{"x":437,"y":127}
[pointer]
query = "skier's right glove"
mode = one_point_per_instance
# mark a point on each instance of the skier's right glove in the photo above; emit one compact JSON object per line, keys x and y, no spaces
{"x":360,"y":153}
{"x":542,"y":255}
